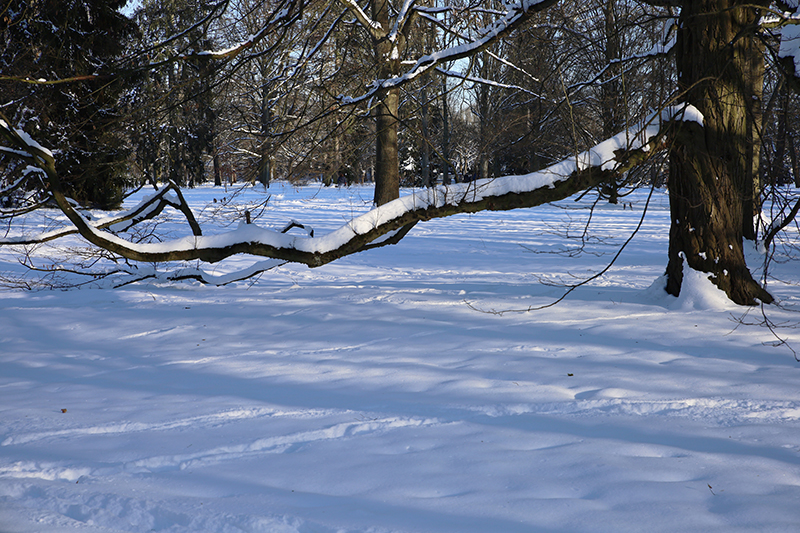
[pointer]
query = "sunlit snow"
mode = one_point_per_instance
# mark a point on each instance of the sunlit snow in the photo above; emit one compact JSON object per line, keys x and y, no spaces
{"x":384,"y":393}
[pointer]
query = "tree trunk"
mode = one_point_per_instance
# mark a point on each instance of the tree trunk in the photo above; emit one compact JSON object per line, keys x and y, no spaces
{"x":217,"y":170}
{"x":387,"y":162}
{"x":793,"y":157}
{"x":264,"y":163}
{"x":483,"y":126}
{"x":752,"y":55}
{"x":215,"y":151}
{"x":612,"y":103}
{"x":711,"y":167}
{"x":425,"y":146}
{"x":445,"y":135}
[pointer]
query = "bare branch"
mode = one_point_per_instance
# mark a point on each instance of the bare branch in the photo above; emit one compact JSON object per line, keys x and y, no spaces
{"x":375,"y":30}
{"x":515,"y":16}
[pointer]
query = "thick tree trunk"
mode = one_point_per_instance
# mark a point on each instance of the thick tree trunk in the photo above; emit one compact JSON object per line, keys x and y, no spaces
{"x":387,"y":162}
{"x":612,"y":110}
{"x":711,"y":167}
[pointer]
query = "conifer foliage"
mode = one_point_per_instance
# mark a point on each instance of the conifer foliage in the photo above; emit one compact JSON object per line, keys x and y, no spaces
{"x":57,"y":89}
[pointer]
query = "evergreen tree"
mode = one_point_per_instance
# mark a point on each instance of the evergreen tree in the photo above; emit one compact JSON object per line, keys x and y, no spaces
{"x":175,"y":106}
{"x":71,"y":106}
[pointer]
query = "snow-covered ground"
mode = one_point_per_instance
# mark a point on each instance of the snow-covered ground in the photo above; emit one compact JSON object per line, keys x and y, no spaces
{"x":381,"y":393}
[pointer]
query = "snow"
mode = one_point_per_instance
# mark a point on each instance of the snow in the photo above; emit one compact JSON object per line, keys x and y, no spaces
{"x":602,"y":155}
{"x":506,"y":20}
{"x":25,"y":138}
{"x":373,"y":395}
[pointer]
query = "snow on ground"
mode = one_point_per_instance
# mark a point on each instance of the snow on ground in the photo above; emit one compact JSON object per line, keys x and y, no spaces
{"x":370,"y":395}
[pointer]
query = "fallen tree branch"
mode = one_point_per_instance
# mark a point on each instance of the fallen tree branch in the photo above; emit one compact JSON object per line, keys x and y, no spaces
{"x":583,"y":171}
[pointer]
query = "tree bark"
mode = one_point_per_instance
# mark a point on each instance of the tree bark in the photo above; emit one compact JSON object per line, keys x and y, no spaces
{"x":425,"y":146}
{"x":711,"y":167}
{"x":217,"y":170}
{"x":445,"y":135}
{"x":387,"y":162}
{"x":612,"y":103}
{"x":265,"y":157}
{"x":483,"y":125}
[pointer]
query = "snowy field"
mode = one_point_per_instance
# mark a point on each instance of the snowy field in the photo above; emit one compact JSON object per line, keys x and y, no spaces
{"x":381,"y":394}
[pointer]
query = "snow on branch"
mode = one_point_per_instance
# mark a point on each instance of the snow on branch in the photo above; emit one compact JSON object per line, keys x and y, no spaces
{"x":285,"y":14}
{"x":150,"y":207}
{"x":26,"y":146}
{"x":26,"y":173}
{"x":484,"y":81}
{"x":512,"y":66}
{"x":374,"y":28}
{"x":42,"y":161}
{"x":403,"y":16}
{"x":137,"y":273}
{"x":516,"y":13}
{"x":388,"y":223}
